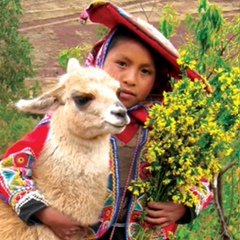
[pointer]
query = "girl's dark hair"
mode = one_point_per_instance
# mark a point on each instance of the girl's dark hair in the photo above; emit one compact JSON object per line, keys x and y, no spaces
{"x":162,"y":66}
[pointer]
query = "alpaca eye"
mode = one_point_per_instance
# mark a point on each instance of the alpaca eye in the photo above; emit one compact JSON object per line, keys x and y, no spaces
{"x":81,"y":101}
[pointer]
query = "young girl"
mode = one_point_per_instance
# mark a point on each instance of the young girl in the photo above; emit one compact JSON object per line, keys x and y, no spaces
{"x":143,"y":61}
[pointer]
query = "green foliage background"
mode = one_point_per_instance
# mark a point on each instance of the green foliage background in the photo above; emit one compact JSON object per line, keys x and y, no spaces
{"x":15,"y":65}
{"x":15,"y":51}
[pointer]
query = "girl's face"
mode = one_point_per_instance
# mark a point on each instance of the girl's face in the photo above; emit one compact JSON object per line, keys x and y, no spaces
{"x":133,"y":66}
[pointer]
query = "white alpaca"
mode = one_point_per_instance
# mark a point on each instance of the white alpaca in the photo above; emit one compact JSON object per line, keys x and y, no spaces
{"x":72,"y":169}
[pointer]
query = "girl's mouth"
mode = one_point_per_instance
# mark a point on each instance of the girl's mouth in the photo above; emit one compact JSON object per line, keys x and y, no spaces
{"x":125,"y":94}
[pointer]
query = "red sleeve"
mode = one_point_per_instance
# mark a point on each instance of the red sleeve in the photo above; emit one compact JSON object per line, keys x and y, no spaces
{"x":16,"y":183}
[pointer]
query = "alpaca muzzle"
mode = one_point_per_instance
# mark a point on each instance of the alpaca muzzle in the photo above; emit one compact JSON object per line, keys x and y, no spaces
{"x":118,"y":116}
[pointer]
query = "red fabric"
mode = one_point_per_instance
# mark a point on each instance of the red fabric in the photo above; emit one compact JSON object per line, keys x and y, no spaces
{"x":34,"y":140}
{"x":109,"y":16}
{"x":138,"y":117}
{"x":129,"y":132}
{"x":171,"y":228}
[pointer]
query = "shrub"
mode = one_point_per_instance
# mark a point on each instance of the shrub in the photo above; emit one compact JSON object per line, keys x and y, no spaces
{"x":212,"y":48}
{"x":15,"y":66}
{"x":15,"y":50}
{"x":79,"y":52}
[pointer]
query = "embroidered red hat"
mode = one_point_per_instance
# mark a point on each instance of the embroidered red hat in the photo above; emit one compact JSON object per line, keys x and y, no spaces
{"x":111,"y":16}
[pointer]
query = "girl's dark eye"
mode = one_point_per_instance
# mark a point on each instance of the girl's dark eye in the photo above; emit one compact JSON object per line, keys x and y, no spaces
{"x":81,"y":101}
{"x":121,"y":64}
{"x":146,"y":71}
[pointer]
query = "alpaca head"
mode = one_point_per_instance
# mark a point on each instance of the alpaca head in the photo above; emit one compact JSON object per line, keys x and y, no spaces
{"x":85,"y":102}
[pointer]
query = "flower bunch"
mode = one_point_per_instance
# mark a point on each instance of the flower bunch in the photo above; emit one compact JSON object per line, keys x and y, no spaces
{"x":189,"y":135}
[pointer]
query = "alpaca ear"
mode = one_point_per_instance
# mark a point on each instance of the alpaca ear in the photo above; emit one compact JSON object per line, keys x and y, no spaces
{"x":43,"y":103}
{"x":73,"y":65}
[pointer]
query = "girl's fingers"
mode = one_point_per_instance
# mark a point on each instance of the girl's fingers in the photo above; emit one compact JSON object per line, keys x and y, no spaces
{"x":154,"y":213}
{"x":156,"y":221}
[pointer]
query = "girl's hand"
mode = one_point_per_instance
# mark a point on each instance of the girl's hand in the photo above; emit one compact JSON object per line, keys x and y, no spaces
{"x":164,"y":214}
{"x":63,"y":226}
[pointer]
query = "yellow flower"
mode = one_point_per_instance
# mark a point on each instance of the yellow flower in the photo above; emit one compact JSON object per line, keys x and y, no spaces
{"x":219,"y":70}
{"x":189,"y":102}
{"x":170,"y":160}
{"x":223,"y":88}
{"x":182,"y":109}
{"x":136,"y":192}
{"x":175,"y":198}
{"x":228,"y":152}
{"x":179,"y":142}
{"x":161,"y":123}
{"x":166,"y":181}
{"x":234,"y":111}
{"x":183,"y":53}
{"x":149,"y":168}
{"x":229,"y":81}
{"x":188,"y":162}
{"x":192,"y":64}
{"x":179,"y":61}
{"x":189,"y":121}
{"x":151,"y":156}
{"x":142,"y":190}
{"x":200,"y":171}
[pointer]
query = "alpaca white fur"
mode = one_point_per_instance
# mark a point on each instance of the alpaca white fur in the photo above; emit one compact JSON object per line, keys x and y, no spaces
{"x":72,"y":169}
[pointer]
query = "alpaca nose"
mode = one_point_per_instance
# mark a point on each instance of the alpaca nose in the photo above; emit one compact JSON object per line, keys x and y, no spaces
{"x":120,"y":112}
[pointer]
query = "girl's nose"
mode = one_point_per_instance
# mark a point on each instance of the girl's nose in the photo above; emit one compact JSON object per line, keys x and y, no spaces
{"x":130,"y":77}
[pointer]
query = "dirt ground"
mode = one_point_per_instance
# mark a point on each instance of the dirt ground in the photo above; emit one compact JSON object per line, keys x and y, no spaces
{"x":52,"y":26}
